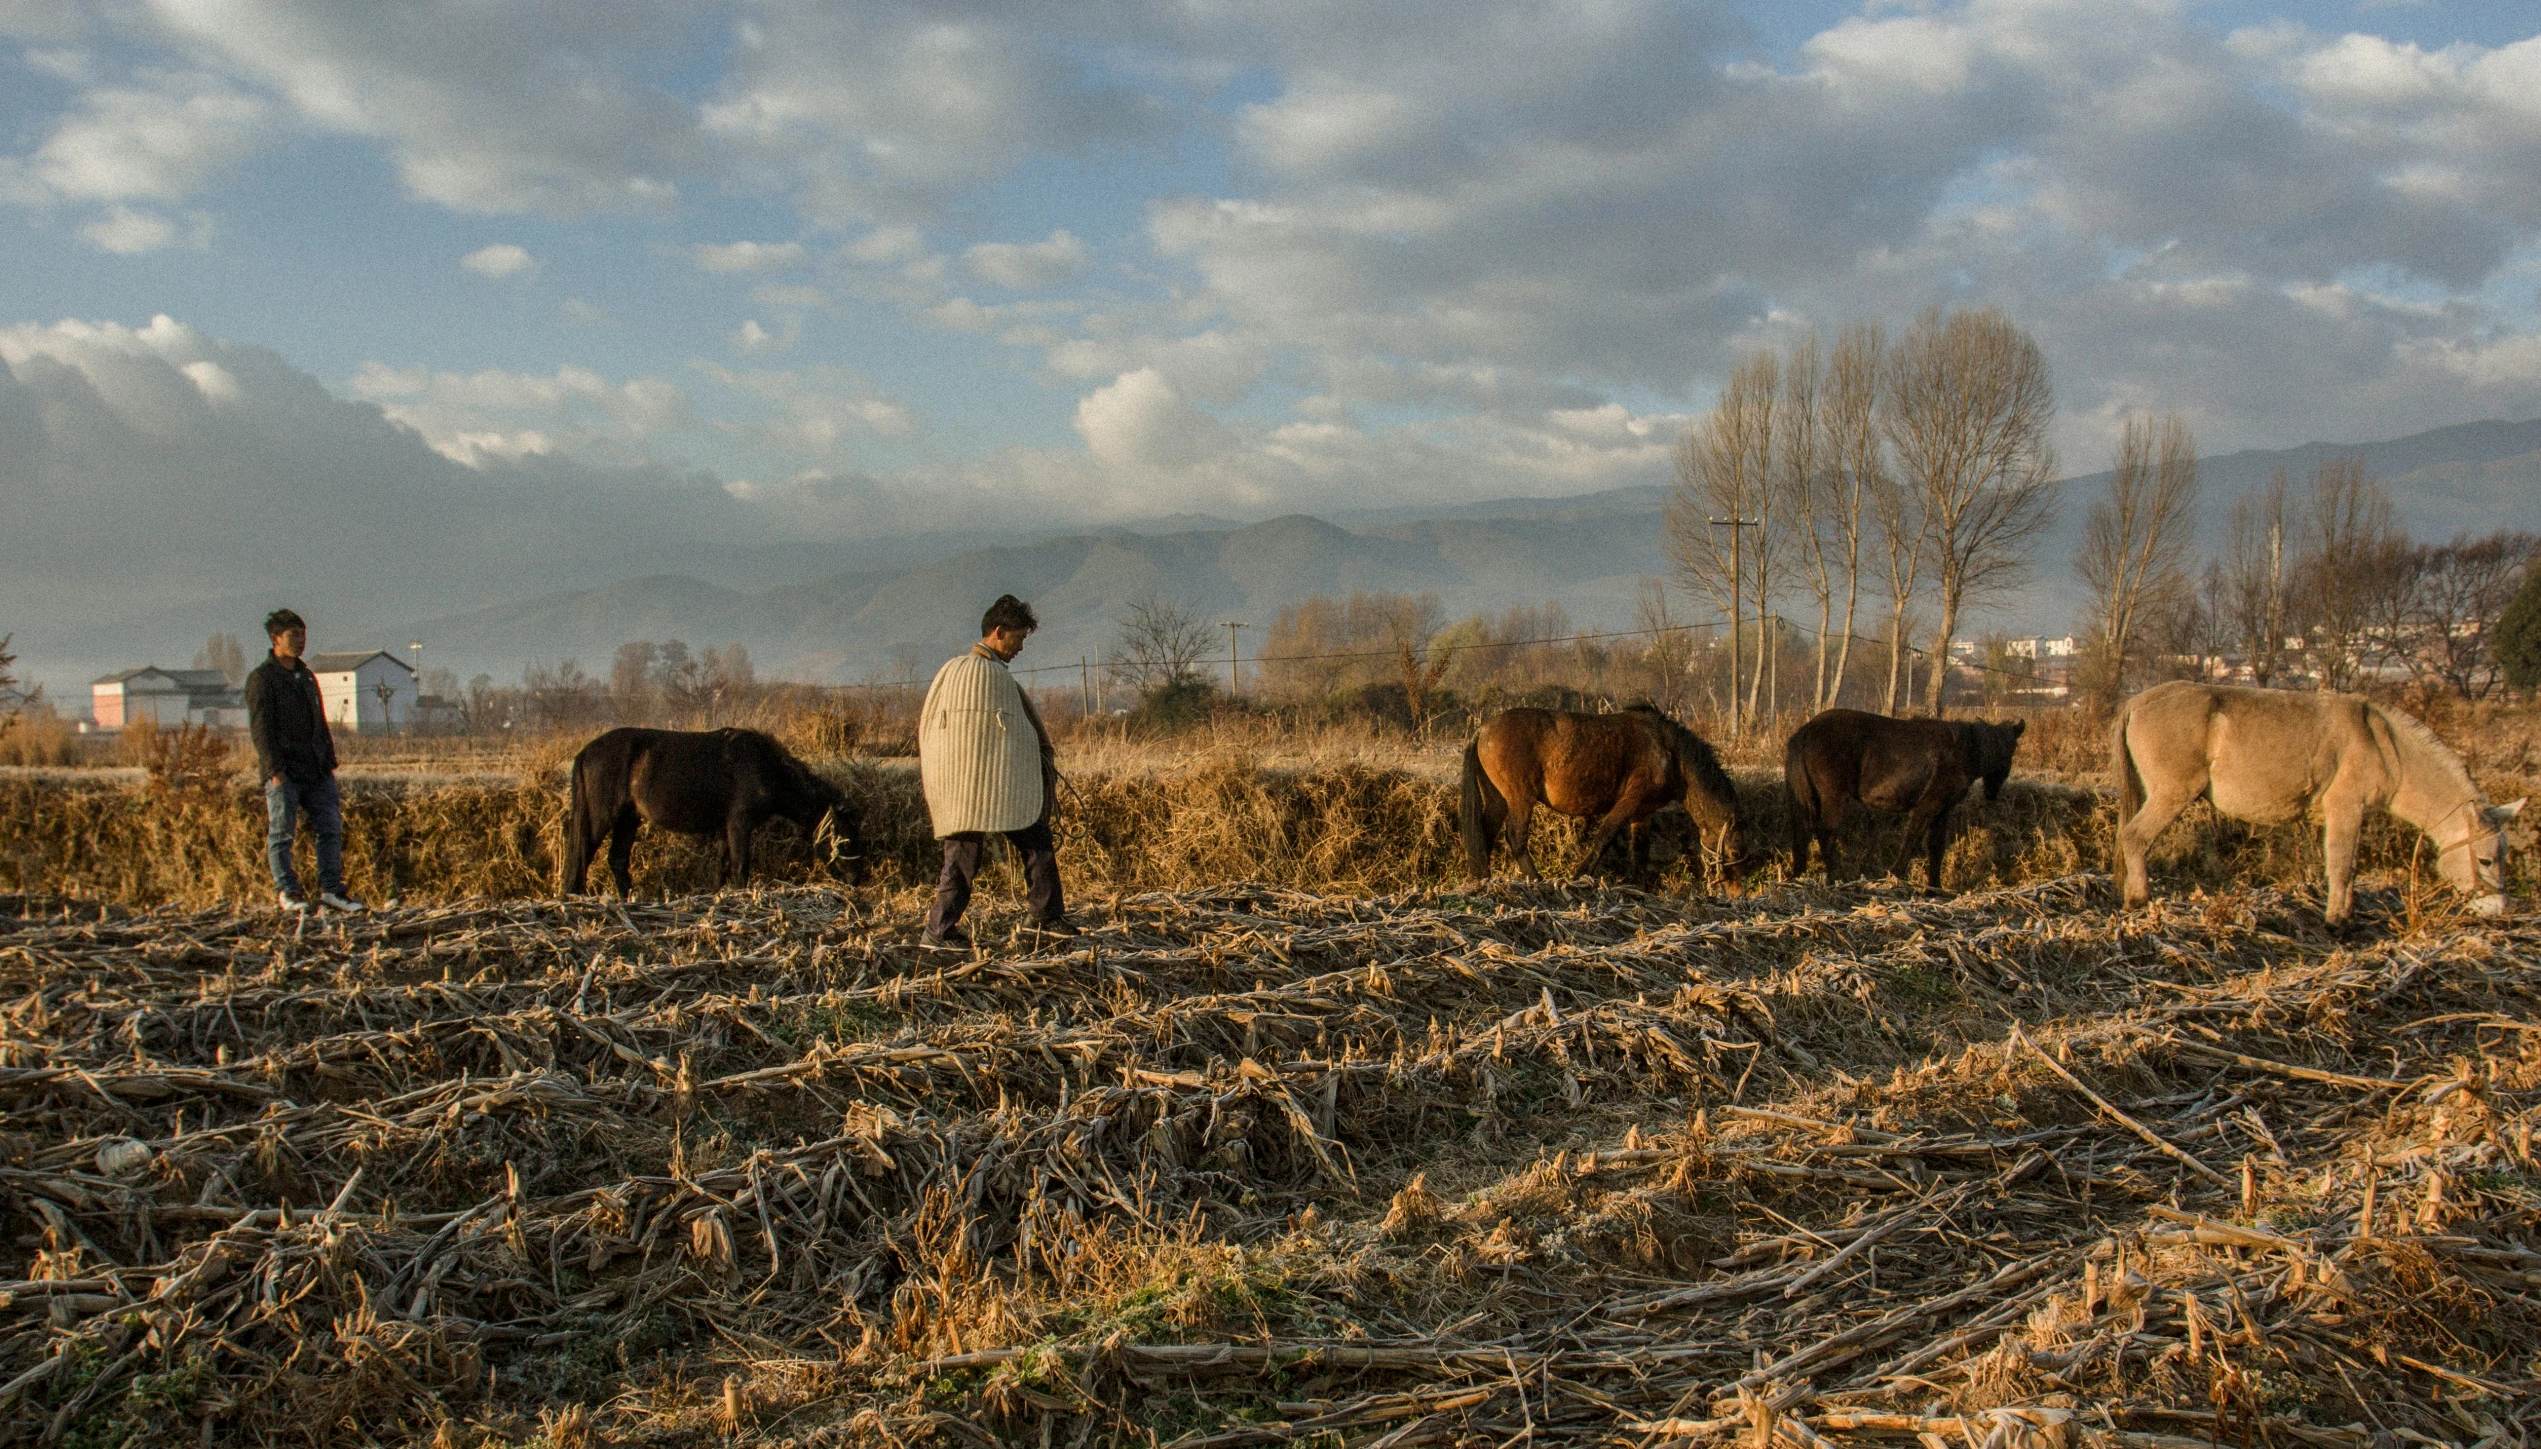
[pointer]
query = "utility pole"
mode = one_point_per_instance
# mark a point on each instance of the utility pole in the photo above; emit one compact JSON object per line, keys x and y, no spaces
{"x":1085,"y":686}
{"x":1737,"y":591}
{"x":1234,"y":680}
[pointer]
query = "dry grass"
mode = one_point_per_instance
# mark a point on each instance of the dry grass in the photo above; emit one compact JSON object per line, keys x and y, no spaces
{"x":1249,"y":1166}
{"x":1340,"y":1153}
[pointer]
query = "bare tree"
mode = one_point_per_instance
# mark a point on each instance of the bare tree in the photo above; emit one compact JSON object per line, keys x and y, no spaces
{"x":1161,"y":640}
{"x":1719,"y":513}
{"x":224,"y":653}
{"x":1906,"y":546}
{"x":1849,"y":403}
{"x":2134,"y":554}
{"x":1969,"y":405}
{"x":1671,"y":649}
{"x":14,"y":701}
{"x":1793,"y":505}
{"x":2346,"y":540}
{"x":2254,"y":582}
{"x":2435,"y":607}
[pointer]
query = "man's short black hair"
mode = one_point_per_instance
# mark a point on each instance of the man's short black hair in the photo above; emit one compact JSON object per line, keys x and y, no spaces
{"x":282,"y":620}
{"x":1008,"y":612}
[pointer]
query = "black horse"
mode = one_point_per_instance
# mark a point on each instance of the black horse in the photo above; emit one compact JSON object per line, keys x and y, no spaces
{"x":695,"y":782}
{"x":1616,"y":769}
{"x":1920,"y":766}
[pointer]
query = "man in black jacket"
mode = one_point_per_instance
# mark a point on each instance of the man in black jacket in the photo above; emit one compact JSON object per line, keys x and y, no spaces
{"x":295,"y":756}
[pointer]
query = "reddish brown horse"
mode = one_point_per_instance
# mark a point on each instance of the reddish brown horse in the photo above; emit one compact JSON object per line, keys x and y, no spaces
{"x":1617,"y":769}
{"x":1920,"y":766}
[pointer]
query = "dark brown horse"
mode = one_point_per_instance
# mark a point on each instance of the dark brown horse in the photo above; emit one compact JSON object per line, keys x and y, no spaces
{"x":1920,"y":766}
{"x":1617,"y":769}
{"x":725,"y":782}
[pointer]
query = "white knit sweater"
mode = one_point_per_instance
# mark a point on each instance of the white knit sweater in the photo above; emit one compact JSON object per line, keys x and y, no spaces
{"x":979,"y":748}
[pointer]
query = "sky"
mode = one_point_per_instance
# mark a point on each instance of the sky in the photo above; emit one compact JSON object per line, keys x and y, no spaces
{"x":466,"y":296}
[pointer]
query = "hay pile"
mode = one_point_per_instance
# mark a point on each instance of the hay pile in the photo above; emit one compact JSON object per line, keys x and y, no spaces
{"x":1249,"y":1166}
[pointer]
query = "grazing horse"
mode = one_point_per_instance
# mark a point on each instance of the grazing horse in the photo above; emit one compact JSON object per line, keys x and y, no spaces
{"x":2271,"y":756}
{"x":724,"y":782}
{"x":1920,"y":766}
{"x":1620,"y":769}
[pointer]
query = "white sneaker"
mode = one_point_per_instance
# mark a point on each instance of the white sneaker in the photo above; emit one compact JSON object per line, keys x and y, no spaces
{"x":334,"y":902}
{"x":290,"y":902}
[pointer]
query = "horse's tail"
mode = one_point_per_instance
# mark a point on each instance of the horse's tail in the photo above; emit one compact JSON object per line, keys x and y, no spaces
{"x":2122,"y":771}
{"x":579,"y":836}
{"x":1473,"y":806}
{"x":1804,"y":802}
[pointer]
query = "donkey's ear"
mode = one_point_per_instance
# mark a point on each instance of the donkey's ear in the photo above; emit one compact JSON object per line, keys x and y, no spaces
{"x":2500,"y":814}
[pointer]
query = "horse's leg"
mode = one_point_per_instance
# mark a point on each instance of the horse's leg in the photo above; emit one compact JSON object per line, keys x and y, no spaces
{"x":1633,"y":804}
{"x":1640,"y":838}
{"x":736,"y":847}
{"x":1934,"y":836}
{"x":622,"y":851}
{"x":2135,"y":838}
{"x":1603,"y":836}
{"x":1521,"y":820}
{"x":1925,"y":822}
{"x":2340,"y":826}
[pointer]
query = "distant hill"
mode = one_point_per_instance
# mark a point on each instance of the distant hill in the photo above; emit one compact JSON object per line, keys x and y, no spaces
{"x":1587,"y":552}
{"x":850,"y":626}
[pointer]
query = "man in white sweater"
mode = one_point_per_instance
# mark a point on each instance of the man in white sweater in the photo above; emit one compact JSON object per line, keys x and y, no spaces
{"x":984,"y":758}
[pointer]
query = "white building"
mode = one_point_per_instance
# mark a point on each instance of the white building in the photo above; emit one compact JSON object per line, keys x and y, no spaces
{"x":367,"y":691}
{"x":166,"y":698}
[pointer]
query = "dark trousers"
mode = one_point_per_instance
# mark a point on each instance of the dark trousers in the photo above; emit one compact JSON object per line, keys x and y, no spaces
{"x":961,"y":866}
{"x":324,"y":805}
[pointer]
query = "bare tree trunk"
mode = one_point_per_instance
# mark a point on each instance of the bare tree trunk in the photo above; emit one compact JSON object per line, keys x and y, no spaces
{"x":1722,"y":494}
{"x":2134,"y":553}
{"x":1968,"y":405}
{"x":1852,"y":406}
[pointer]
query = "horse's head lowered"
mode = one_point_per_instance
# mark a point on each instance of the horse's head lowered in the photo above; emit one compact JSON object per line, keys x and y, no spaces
{"x":837,"y":828}
{"x":1990,"y":747}
{"x":1711,"y":797}
{"x":2473,"y":853}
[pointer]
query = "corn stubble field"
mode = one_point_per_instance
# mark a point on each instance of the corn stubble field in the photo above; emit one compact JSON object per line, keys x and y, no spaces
{"x":1339,"y":1154}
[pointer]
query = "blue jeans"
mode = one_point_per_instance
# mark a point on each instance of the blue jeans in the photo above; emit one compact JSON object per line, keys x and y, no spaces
{"x":325,"y":805}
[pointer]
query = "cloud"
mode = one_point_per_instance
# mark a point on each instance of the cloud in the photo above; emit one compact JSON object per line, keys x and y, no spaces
{"x":475,"y":418}
{"x":751,"y":337}
{"x":165,"y":136}
{"x":247,"y":481}
{"x":130,"y":231}
{"x":818,"y":410}
{"x":522,"y":108}
{"x":886,"y":112}
{"x":502,"y":259}
{"x":747,"y":256}
{"x":1028,"y":267}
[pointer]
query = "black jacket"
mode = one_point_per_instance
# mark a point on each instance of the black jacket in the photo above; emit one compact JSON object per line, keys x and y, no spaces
{"x":287,"y":720}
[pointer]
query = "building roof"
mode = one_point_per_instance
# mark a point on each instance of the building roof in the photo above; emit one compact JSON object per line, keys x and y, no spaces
{"x":194,"y":681}
{"x":350,"y":660}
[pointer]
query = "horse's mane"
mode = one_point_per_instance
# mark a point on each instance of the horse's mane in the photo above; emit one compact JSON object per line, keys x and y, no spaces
{"x":2409,"y":727}
{"x":1696,"y":752}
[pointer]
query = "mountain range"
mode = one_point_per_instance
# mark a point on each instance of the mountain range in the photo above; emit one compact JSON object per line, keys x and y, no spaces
{"x":1587,"y":552}
{"x":884,"y":607}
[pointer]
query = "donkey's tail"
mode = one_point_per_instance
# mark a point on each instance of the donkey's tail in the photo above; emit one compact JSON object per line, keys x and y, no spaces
{"x":579,"y":836}
{"x":2122,"y":771}
{"x":1473,"y":812}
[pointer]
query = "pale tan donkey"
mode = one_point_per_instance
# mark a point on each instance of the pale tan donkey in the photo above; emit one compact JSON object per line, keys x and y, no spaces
{"x":2271,"y":756}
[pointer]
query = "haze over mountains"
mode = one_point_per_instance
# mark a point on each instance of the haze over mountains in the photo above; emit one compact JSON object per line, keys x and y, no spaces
{"x":1587,"y":553}
{"x":864,"y":609}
